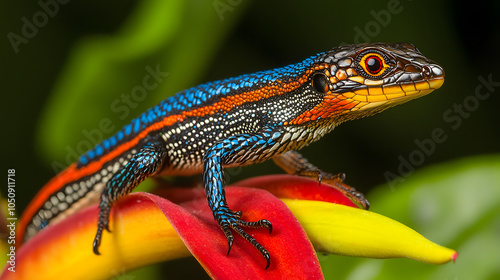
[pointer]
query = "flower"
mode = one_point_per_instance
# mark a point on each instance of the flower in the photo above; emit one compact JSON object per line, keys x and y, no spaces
{"x":150,"y":228}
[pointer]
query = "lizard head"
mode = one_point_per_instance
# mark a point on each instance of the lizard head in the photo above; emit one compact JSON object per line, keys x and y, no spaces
{"x":362,"y":80}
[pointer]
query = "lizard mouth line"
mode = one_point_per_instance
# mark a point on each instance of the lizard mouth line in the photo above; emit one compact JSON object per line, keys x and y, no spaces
{"x":394,"y":94}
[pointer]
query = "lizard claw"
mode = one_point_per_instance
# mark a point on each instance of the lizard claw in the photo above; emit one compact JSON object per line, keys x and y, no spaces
{"x":341,"y":177}
{"x":238,"y":214}
{"x":228,"y":220}
{"x":97,"y":243}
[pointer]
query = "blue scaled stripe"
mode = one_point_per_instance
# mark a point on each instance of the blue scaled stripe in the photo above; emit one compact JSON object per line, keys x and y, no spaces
{"x":192,"y":98}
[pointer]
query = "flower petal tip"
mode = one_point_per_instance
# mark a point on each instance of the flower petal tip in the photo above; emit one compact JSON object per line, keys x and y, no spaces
{"x":349,"y":231}
{"x":454,"y":256}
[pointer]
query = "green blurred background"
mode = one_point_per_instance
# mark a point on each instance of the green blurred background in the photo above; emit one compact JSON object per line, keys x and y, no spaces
{"x":66,"y":68}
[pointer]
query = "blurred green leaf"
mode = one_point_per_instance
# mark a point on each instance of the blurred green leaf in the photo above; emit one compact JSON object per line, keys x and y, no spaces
{"x":456,"y":205}
{"x":89,"y":103}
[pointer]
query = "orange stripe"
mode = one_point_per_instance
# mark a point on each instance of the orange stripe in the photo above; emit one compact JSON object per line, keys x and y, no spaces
{"x":225,"y":104}
{"x":328,"y":108}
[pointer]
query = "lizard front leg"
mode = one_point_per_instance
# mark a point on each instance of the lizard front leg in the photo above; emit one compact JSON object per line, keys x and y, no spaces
{"x":145,"y":163}
{"x":236,"y":149}
{"x":294,"y":163}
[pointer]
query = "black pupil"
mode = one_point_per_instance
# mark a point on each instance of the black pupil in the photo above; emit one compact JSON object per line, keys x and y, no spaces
{"x":320,"y":83}
{"x":374,"y":64}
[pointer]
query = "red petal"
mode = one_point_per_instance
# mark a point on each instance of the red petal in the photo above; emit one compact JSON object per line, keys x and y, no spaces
{"x":292,"y":255}
{"x":290,"y":186}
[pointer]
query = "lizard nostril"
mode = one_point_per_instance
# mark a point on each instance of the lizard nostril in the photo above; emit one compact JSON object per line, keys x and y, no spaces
{"x":427,"y":72}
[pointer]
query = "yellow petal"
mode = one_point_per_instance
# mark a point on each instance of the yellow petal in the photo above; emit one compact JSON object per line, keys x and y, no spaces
{"x":343,"y":230}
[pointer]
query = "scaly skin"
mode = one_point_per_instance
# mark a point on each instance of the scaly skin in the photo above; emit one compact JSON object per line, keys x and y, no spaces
{"x":235,"y":122}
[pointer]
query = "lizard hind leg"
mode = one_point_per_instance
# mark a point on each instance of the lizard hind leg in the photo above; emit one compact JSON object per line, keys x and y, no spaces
{"x":294,"y":163}
{"x":143,"y":164}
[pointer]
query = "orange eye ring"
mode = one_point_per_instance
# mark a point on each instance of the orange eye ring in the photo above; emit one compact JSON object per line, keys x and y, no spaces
{"x":373,"y":64}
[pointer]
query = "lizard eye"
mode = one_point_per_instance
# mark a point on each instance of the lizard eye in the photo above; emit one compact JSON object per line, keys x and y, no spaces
{"x":320,"y":83}
{"x":373,"y":64}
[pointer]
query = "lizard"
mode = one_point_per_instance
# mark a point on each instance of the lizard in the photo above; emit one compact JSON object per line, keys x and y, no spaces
{"x":235,"y":122}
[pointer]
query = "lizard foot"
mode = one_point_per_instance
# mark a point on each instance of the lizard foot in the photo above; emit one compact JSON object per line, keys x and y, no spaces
{"x":228,"y":219}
